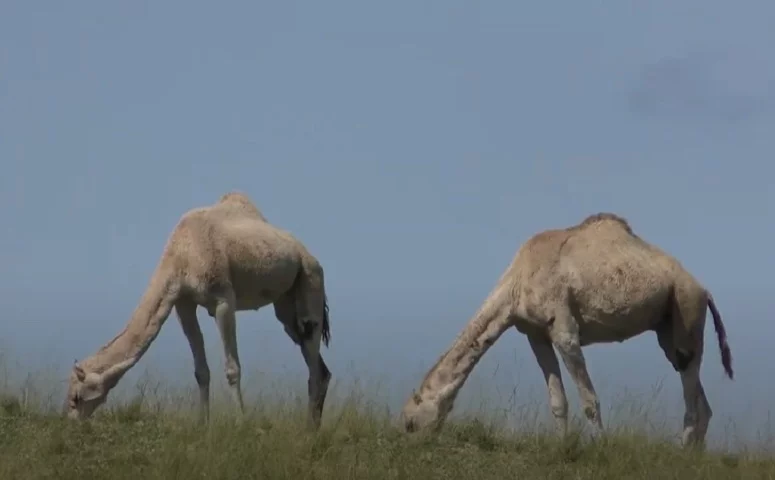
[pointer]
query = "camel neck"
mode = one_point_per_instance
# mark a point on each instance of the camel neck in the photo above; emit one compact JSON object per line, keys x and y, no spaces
{"x":125,"y":349}
{"x":453,"y":368}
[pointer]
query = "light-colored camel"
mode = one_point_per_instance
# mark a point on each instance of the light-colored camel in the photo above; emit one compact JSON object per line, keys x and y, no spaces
{"x":594,"y":282}
{"x":225,"y":257}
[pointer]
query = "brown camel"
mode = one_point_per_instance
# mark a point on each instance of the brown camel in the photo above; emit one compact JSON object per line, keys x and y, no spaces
{"x":594,"y":282}
{"x":227,"y":258}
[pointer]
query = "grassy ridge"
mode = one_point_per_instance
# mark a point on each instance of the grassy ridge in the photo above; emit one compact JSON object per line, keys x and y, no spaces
{"x":148,"y":430}
{"x":355,"y":442}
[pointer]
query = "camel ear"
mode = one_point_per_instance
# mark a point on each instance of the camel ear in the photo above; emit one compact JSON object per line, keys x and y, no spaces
{"x":416,"y":397}
{"x":79,"y":372}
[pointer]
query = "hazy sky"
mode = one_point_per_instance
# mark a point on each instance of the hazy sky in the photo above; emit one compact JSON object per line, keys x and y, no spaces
{"x":411,"y":146}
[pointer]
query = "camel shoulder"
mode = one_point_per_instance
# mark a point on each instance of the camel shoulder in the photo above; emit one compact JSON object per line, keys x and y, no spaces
{"x":539,"y":253}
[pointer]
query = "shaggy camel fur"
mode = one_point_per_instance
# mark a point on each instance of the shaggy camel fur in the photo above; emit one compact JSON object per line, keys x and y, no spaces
{"x":225,"y":257}
{"x":594,"y":282}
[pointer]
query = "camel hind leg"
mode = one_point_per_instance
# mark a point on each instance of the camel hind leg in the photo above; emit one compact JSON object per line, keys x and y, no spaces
{"x":684,"y":348}
{"x":304,"y":315}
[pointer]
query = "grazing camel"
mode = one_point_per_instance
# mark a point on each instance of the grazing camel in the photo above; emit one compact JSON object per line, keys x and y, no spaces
{"x":227,"y":258}
{"x":594,"y":282}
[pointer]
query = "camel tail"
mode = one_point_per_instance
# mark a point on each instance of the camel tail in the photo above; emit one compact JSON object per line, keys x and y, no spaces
{"x":326,"y":324}
{"x":726,"y":353}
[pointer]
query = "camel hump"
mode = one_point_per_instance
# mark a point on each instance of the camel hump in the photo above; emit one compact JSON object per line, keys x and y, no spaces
{"x":240,"y":200}
{"x":235,"y":197}
{"x":606,"y":217}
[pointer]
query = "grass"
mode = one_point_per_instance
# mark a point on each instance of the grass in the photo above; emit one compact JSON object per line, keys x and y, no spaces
{"x":144,"y":439}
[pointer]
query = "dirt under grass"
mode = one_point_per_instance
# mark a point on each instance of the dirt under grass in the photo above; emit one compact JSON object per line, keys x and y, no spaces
{"x":354,"y":443}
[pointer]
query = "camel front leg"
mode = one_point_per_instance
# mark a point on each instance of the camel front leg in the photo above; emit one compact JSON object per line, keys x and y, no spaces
{"x":564,"y":333}
{"x":190,"y":325}
{"x":550,"y":366}
{"x":225,"y":319}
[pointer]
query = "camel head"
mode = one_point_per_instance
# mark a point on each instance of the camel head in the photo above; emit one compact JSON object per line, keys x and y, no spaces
{"x":424,"y":412}
{"x":86,"y":392}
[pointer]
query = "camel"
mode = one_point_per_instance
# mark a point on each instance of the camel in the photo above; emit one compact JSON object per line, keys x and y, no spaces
{"x":227,"y":258}
{"x":593,"y":282}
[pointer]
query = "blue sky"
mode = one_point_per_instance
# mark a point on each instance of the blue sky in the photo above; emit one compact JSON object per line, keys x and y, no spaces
{"x":411,"y":146}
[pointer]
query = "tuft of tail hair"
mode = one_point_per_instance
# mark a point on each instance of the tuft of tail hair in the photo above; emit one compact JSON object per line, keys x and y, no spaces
{"x":726,"y":353}
{"x":326,"y":325}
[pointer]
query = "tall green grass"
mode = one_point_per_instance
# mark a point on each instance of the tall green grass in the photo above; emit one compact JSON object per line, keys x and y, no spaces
{"x":149,"y":430}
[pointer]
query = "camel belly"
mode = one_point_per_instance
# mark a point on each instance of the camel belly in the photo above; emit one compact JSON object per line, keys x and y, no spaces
{"x":592,"y":333}
{"x":257,"y":287}
{"x":616,"y":319}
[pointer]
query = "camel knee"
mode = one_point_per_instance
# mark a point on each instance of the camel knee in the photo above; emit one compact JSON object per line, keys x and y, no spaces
{"x":558,"y":402}
{"x":567,"y":342}
{"x":559,"y":407}
{"x":592,"y":409}
{"x":233,"y":374}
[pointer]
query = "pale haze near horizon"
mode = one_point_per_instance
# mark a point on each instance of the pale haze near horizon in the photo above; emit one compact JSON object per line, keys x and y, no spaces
{"x":412,"y":148}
